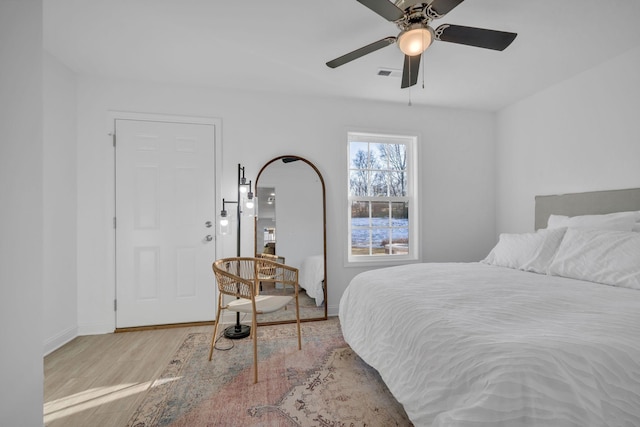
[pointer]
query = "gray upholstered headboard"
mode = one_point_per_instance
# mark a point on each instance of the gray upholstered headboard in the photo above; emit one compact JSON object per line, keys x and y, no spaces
{"x":591,"y":203}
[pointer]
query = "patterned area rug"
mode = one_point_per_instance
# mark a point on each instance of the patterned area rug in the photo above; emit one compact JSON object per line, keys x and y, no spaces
{"x":324,"y":384}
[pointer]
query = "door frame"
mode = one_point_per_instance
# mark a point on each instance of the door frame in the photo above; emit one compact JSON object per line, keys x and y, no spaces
{"x":112,"y":116}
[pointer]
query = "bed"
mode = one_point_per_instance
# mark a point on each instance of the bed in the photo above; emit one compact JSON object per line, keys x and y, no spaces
{"x":311,"y":277}
{"x":545,"y":331}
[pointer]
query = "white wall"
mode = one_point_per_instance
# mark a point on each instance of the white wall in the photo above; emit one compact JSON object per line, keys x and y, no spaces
{"x":60,"y":313}
{"x":579,"y":135}
{"x":456,"y":166}
{"x":21,"y":225}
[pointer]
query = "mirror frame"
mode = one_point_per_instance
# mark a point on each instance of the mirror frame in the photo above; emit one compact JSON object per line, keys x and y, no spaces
{"x":324,"y":233}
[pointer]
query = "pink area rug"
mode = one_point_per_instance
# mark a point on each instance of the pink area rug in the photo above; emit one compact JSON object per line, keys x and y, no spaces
{"x":324,"y":384}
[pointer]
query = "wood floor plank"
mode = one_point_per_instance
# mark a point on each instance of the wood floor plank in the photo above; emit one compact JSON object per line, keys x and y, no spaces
{"x":101,"y":379}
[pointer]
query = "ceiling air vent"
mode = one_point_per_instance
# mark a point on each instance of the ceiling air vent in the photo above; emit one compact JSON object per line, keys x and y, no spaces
{"x":389,"y":72}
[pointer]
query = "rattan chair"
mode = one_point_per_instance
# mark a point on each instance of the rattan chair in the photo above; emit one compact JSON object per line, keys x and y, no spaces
{"x":267,"y":274}
{"x":240,"y":278}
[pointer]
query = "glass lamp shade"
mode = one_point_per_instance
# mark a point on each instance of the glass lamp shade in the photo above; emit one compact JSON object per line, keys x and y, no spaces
{"x":224,"y":224}
{"x":250,"y":206}
{"x":415,"y":40}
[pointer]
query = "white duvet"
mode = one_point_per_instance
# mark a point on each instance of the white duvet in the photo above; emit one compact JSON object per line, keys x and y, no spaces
{"x":478,"y":345}
{"x":311,"y":277}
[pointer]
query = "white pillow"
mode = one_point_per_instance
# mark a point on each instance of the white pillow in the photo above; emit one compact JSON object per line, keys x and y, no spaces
{"x":528,"y":251}
{"x":621,"y":221}
{"x":603,"y":256}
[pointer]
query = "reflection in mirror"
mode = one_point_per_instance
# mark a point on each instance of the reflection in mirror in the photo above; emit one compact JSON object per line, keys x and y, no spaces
{"x":290,"y":225}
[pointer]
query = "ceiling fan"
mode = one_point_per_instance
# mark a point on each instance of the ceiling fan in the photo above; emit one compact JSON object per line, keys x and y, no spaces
{"x":413,"y":18}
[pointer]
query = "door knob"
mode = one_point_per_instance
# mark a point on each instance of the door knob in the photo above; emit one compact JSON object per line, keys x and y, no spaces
{"x":208,"y":237}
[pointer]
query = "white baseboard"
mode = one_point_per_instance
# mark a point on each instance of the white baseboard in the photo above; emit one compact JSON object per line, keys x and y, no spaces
{"x":332,"y":310}
{"x":53,"y":343}
{"x":96,"y":328}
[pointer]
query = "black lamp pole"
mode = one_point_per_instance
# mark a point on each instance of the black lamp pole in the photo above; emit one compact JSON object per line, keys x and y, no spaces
{"x":238,"y":330}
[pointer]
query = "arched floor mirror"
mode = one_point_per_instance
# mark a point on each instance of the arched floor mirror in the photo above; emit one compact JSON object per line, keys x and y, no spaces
{"x":290,"y":223}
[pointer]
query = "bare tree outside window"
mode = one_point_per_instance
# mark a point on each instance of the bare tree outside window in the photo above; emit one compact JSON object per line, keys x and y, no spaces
{"x":362,"y":163}
{"x":379,"y":171}
{"x":395,"y":155}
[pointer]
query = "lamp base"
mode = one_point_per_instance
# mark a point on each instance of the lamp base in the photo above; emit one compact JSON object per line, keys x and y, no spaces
{"x":237,"y":332}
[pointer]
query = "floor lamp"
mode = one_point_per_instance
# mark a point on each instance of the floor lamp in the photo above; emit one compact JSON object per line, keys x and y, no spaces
{"x":238,"y":330}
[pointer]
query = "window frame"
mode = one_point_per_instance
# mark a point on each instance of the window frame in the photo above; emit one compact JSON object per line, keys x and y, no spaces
{"x":411,"y":144}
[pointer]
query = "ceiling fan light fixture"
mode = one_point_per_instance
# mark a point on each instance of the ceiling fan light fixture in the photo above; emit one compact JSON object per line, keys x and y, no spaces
{"x":415,"y":39}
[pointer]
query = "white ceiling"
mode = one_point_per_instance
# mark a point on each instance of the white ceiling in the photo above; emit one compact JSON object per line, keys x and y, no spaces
{"x":283,"y":45}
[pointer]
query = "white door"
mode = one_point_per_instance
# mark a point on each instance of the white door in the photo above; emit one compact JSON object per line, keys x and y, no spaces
{"x":165,"y":222}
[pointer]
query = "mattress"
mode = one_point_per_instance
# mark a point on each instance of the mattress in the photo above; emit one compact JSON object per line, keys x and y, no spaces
{"x":471,"y":344}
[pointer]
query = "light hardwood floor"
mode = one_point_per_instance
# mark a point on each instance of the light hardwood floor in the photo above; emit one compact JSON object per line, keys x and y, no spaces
{"x":100,"y":380}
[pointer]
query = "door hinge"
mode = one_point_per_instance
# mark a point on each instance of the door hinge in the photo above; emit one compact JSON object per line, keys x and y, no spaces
{"x":114,"y":222}
{"x":113,"y":135}
{"x":115,"y":305}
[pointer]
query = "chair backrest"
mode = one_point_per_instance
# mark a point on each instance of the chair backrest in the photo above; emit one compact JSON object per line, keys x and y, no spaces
{"x":277,"y":258}
{"x":236,"y":276}
{"x":240,"y":277}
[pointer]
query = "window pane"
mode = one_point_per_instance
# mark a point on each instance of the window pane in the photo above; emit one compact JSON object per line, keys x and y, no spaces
{"x":398,"y":184}
{"x":360,"y":211}
{"x":379,"y":239}
{"x":360,"y":241}
{"x":360,"y":233}
{"x":394,"y":156}
{"x":400,"y":241}
{"x":380,"y":184}
{"x":377,"y":156}
{"x":380,"y":214}
{"x":358,"y":153}
{"x":359,"y":183}
{"x":400,"y":214}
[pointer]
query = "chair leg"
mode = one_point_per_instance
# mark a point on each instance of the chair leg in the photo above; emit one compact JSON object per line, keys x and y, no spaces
{"x":215,"y":329}
{"x":298,"y":322}
{"x":254,"y":325}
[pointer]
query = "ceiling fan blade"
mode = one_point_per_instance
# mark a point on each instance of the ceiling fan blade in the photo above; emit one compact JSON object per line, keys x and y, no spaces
{"x":384,"y":8}
{"x":442,"y":7}
{"x":478,"y":37}
{"x":410,"y":70}
{"x":361,"y":52}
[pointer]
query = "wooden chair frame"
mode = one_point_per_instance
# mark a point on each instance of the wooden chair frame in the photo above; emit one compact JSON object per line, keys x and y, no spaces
{"x":240,"y":277}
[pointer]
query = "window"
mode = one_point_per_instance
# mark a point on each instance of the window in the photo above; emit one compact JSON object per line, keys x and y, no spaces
{"x":382,"y":202}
